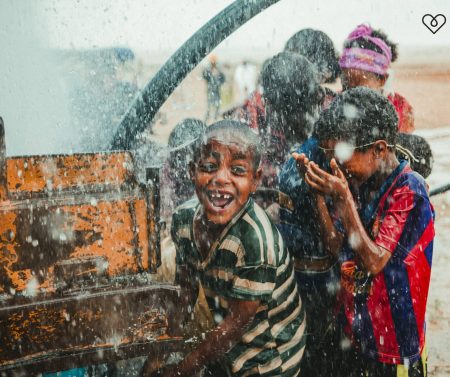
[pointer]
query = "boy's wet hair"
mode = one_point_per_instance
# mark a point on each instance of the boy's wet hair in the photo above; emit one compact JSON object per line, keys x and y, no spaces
{"x":359,"y":116}
{"x":319,"y":49}
{"x":232,"y":131}
{"x":416,"y":150}
{"x":291,"y":87}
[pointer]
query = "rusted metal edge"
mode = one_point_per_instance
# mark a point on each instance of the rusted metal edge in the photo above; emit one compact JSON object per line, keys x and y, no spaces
{"x":75,"y":358}
{"x":72,"y":198}
{"x":88,"y":188}
{"x":108,"y":291}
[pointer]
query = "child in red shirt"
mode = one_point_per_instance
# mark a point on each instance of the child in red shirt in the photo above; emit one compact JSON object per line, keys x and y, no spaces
{"x":381,"y":226}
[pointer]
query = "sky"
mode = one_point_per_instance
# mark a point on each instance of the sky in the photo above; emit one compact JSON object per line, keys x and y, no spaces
{"x":34,"y":102}
{"x":163,"y":25}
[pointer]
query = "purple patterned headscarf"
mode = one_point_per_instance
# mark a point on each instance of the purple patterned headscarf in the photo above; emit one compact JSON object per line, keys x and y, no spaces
{"x":365,"y":59}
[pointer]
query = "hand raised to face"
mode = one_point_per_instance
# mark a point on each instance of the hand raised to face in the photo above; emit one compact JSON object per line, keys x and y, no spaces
{"x":302,"y":163}
{"x":334,"y":185}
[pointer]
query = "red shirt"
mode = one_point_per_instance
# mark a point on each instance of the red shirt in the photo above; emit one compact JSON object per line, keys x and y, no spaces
{"x":385,"y":313}
{"x":405,"y":113}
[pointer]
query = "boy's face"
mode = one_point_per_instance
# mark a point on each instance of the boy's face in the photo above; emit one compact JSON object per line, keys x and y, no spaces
{"x":357,"y":165}
{"x":224,"y":178}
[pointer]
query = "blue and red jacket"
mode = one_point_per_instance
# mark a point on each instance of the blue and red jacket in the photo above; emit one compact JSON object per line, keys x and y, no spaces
{"x":385,"y":313}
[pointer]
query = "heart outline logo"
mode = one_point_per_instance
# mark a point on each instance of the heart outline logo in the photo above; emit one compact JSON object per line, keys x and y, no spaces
{"x":434,"y":25}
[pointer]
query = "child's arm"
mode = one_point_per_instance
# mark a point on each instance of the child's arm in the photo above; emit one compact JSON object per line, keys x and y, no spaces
{"x":373,"y":257}
{"x":331,"y":238}
{"x":188,"y":296}
{"x":218,"y":341}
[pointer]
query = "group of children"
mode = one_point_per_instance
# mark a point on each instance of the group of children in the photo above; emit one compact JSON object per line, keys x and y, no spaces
{"x":338,"y":286}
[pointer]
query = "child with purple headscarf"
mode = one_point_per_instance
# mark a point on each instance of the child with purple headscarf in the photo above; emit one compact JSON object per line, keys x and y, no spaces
{"x":366,"y":61}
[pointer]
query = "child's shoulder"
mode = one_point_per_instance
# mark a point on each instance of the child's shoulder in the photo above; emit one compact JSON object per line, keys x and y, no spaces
{"x":412,"y":181}
{"x":257,"y":235}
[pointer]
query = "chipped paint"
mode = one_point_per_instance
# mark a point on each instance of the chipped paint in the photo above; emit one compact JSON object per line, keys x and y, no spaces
{"x":75,"y":232}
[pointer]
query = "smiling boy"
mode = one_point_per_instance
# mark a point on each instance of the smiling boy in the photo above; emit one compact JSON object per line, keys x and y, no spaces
{"x":227,"y":243}
{"x":382,"y":229}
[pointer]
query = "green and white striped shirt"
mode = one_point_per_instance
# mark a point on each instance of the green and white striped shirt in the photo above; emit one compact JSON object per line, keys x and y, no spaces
{"x":249,"y":262}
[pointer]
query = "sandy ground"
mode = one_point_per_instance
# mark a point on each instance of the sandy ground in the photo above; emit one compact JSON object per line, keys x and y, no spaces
{"x":438,"y":308}
{"x":427,"y":88}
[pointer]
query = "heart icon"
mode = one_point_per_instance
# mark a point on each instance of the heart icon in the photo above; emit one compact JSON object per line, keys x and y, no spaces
{"x":434,"y":23}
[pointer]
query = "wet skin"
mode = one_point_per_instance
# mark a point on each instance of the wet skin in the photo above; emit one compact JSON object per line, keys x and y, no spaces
{"x":359,"y":167}
{"x":378,"y":162}
{"x":224,"y":178}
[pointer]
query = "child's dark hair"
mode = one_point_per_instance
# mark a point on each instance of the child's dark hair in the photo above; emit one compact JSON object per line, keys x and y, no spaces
{"x":359,"y":116}
{"x":416,"y":150}
{"x":292,"y":89}
{"x":368,"y":45}
{"x":183,"y":140}
{"x":185,"y":133}
{"x":318,"y":48}
{"x":229,"y":130}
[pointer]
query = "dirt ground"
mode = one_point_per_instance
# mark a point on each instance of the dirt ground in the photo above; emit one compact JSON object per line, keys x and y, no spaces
{"x":427,"y":88}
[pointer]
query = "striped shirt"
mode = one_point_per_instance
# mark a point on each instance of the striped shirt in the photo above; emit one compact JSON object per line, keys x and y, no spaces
{"x":249,"y":262}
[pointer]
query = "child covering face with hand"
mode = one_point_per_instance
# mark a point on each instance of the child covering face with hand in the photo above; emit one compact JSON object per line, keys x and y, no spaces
{"x":227,"y":243}
{"x":381,"y":227}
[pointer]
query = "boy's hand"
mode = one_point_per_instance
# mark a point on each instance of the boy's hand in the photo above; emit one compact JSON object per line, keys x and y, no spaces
{"x":334,"y":185}
{"x":302,"y":163}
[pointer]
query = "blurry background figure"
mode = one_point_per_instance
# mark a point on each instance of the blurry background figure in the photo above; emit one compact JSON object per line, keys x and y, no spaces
{"x":252,"y":111}
{"x":293,"y":99}
{"x":316,"y":273}
{"x":366,"y":61}
{"x":319,"y":49}
{"x":416,"y":150}
{"x":315,"y":46}
{"x":245,"y":77}
{"x":102,"y":92}
{"x":214,"y":80}
{"x":182,"y":141}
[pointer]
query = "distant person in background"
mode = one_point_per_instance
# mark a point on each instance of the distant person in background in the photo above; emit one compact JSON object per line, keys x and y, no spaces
{"x":214,"y":80}
{"x":366,"y":61}
{"x":293,"y":99}
{"x":314,"y":45}
{"x":252,"y":111}
{"x":177,"y":185}
{"x":416,"y":150}
{"x":319,"y":49}
{"x":316,"y":271}
{"x":245,"y":77}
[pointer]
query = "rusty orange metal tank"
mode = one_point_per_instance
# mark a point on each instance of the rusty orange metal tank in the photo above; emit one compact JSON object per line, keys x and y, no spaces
{"x":78,"y":239}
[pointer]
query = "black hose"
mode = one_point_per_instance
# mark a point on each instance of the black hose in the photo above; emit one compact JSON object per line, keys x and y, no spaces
{"x":440,"y":190}
{"x":184,"y":60}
